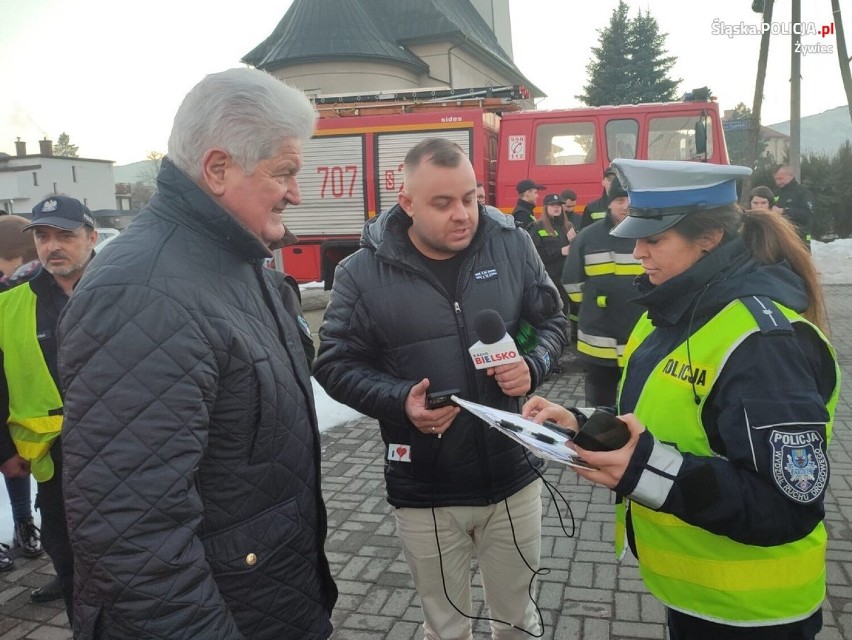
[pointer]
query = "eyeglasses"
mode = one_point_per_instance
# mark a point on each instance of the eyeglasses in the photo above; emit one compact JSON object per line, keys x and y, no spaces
{"x":481,"y":198}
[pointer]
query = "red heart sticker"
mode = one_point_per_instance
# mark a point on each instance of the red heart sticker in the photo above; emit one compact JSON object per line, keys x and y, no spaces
{"x":401,"y":451}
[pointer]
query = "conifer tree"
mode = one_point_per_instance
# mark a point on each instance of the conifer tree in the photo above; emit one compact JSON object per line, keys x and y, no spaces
{"x":609,"y":68}
{"x":651,"y":65}
{"x":630,"y":64}
{"x":64,"y":148}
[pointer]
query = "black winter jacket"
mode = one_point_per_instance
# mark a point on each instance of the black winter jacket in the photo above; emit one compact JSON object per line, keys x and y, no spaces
{"x":599,"y":273}
{"x":192,"y":455}
{"x":390,"y":324}
{"x":524,"y":213}
{"x":798,"y":206}
{"x":549,"y":245}
{"x":595,"y":210}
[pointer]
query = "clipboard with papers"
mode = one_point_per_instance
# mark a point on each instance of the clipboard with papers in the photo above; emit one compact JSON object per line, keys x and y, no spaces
{"x":542,"y":441}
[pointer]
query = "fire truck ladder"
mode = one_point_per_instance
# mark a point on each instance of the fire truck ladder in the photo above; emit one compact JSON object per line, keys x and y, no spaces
{"x":490,"y":98}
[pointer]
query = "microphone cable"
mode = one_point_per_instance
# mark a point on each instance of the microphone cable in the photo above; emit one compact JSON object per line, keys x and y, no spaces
{"x":543,"y":571}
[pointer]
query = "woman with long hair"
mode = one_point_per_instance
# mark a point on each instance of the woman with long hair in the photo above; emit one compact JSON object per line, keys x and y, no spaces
{"x":728,"y":397}
{"x":551,"y":235}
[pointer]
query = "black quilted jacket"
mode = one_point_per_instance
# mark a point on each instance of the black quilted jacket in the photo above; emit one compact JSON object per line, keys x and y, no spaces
{"x":192,"y":456}
{"x":390,"y":323}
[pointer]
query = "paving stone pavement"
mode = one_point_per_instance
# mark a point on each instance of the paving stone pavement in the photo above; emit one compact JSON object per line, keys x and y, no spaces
{"x":586,"y":595}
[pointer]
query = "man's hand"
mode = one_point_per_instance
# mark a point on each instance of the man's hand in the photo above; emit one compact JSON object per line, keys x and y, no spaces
{"x":15,"y":467}
{"x":514,"y":379}
{"x":778,"y":209}
{"x":431,"y":421}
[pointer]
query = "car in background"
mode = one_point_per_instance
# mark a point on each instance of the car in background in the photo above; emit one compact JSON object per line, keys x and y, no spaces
{"x":105,"y":236}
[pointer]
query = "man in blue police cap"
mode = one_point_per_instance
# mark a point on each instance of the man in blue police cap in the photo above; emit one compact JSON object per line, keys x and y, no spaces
{"x":65,"y":237}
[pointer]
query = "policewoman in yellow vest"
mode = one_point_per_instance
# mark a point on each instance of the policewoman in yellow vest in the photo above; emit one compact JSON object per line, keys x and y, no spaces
{"x":729,"y":393}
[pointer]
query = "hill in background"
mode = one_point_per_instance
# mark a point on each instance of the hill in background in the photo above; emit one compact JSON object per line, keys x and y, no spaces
{"x":143,"y":171}
{"x":823,"y":132}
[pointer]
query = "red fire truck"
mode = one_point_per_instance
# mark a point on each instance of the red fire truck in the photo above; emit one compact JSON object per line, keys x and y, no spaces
{"x":571,"y":148}
{"x":352,"y":167}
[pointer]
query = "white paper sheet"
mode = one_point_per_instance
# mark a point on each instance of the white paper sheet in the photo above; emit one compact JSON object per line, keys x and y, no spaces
{"x":534,"y":437}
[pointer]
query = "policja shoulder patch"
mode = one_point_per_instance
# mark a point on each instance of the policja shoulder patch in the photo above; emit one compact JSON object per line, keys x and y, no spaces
{"x":799,"y":464}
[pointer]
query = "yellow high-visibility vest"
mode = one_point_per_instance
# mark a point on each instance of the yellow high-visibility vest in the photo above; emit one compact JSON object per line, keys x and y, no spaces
{"x":35,"y":405}
{"x":688,"y":568}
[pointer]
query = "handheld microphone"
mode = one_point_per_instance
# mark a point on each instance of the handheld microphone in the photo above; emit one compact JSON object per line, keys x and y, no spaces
{"x":495,"y":345}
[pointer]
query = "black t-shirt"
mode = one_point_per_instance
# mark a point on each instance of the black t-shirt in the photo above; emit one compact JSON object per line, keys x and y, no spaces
{"x":447,"y":270}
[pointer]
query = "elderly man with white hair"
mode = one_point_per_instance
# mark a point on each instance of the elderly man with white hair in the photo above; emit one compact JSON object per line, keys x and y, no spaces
{"x":191,"y":444}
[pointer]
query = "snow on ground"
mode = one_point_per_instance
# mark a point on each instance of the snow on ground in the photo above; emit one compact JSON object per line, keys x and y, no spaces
{"x":331,"y":413}
{"x":833,"y":261}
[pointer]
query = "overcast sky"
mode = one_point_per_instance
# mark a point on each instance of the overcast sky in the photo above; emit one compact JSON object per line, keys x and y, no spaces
{"x":112,"y":77}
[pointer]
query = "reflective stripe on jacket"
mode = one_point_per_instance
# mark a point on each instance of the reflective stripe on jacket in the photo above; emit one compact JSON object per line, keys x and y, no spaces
{"x":688,"y":568}
{"x":35,"y":405}
{"x":599,"y":274}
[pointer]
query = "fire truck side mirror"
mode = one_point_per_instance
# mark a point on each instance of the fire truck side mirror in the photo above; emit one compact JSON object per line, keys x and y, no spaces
{"x":701,"y":135}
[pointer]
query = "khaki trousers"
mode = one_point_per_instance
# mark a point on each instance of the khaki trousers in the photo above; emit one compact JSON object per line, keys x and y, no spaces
{"x":505,"y":576}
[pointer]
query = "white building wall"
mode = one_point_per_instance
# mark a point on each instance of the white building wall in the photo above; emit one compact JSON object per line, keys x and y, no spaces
{"x":455,"y":67}
{"x":333,"y":78}
{"x":496,"y":15}
{"x":94,"y":183}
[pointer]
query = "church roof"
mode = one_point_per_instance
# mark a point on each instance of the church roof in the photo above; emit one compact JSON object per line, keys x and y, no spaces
{"x":382,"y":30}
{"x":321,"y":30}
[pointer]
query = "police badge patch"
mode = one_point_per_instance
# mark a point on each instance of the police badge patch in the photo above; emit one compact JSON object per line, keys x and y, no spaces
{"x":799,"y":465}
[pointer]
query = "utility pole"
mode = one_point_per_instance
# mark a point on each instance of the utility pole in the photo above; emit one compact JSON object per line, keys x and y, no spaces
{"x":842,"y":55}
{"x":795,"y":90}
{"x":757,"y":102}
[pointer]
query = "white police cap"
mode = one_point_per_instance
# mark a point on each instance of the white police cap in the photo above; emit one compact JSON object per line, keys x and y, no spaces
{"x":664,"y":192}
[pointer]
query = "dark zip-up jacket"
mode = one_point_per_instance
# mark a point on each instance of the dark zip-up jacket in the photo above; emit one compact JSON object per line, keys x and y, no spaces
{"x":524,"y":213}
{"x":549,"y":245}
{"x":390,"y":323}
{"x":798,"y":206}
{"x":192,"y":455}
{"x":595,"y":210}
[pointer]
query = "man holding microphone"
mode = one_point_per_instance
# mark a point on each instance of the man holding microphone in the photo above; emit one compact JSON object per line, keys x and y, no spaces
{"x":398,"y":327}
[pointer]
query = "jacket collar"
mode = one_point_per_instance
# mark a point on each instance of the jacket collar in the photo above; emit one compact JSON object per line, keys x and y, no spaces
{"x":723,"y":275}
{"x":523,"y":204}
{"x":385,"y":234}
{"x":182,"y":201}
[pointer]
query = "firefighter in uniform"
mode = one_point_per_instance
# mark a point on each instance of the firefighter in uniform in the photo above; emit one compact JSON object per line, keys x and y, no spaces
{"x":728,"y":393}
{"x":596,"y":209}
{"x":524,"y":213}
{"x":551,"y":235}
{"x":598,"y":275}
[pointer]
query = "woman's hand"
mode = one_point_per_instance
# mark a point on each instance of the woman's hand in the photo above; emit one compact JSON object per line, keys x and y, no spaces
{"x":538,"y":410}
{"x":611,"y":465}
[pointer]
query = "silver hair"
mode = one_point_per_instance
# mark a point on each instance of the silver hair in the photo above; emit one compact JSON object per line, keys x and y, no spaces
{"x":246,"y":112}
